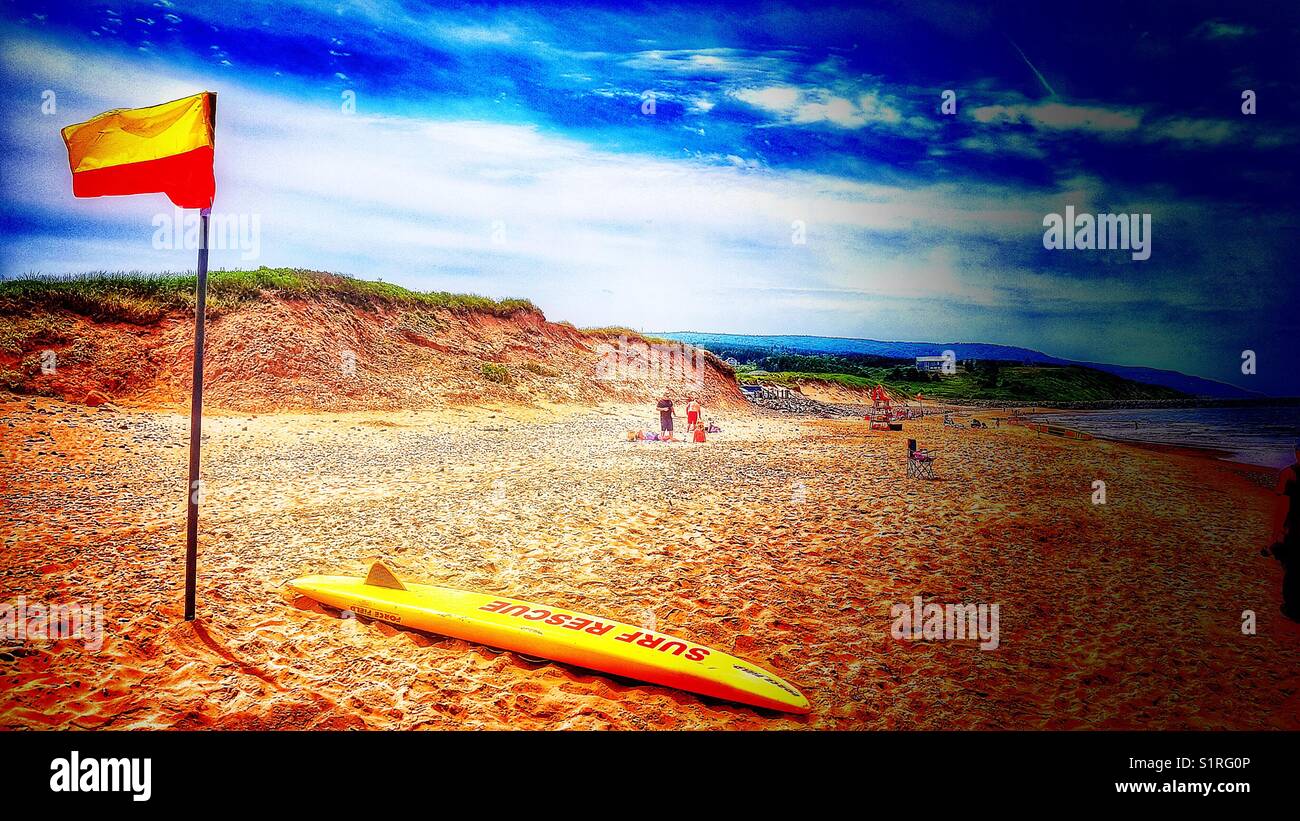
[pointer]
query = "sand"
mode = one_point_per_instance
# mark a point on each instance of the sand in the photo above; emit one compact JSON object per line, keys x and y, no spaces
{"x":782,"y":540}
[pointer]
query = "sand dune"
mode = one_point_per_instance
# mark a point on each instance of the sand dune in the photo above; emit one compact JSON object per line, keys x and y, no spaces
{"x":781,"y":540}
{"x":285,"y":354}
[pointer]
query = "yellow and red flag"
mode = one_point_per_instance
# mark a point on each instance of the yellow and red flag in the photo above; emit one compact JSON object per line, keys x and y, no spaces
{"x":161,"y":149}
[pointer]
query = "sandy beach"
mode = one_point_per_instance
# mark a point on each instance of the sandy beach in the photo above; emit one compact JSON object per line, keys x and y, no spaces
{"x":782,"y":540}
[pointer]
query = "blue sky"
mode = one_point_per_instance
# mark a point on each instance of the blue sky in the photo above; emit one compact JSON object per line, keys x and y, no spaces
{"x":507,"y":150}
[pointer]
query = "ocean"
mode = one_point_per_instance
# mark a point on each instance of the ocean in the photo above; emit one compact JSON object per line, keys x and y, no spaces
{"x":1256,"y":435}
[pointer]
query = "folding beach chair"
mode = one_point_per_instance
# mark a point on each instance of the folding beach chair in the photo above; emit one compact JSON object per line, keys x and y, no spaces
{"x":920,"y":463}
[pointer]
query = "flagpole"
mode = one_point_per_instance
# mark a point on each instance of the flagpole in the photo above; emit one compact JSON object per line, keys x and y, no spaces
{"x":196,"y":420}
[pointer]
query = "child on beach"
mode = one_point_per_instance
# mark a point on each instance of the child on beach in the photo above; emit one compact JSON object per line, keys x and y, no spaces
{"x":692,"y":413}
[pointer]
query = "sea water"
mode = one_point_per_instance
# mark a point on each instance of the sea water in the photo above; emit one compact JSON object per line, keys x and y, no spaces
{"x":1258,"y":435}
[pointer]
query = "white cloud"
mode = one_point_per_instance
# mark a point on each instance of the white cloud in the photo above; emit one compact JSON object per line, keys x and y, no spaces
{"x":1222,"y":30}
{"x":1192,"y":131}
{"x":591,"y":234}
{"x":482,"y":35}
{"x":837,"y":110}
{"x":802,"y":106}
{"x":777,"y":99}
{"x":730,"y":64}
{"x":1061,"y":116}
{"x":1111,"y":123}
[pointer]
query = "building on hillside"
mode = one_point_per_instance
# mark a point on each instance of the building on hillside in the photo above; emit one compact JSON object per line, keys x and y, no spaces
{"x":932,"y":363}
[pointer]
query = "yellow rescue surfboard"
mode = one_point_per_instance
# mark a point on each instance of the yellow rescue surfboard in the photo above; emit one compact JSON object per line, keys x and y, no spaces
{"x":555,"y":633}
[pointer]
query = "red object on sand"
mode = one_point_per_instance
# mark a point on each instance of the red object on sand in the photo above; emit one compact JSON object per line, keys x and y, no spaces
{"x":699,"y":434}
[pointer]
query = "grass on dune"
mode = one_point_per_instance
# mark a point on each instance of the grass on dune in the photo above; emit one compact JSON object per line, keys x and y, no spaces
{"x":141,"y":298}
{"x":616,"y":331}
{"x":792,"y":378}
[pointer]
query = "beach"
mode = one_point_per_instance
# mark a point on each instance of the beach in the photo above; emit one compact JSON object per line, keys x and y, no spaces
{"x":784,"y":540}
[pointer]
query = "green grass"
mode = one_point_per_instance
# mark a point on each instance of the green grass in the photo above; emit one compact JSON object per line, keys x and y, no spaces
{"x":540,"y":369}
{"x":12,"y":380}
{"x":22,"y":333}
{"x":143,"y":298}
{"x":791,"y":378}
{"x":615,"y":331}
{"x":496,"y":373}
{"x":1014,"y":383}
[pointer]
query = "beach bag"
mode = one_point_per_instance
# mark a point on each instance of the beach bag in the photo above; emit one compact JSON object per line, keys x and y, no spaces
{"x":699,"y":435}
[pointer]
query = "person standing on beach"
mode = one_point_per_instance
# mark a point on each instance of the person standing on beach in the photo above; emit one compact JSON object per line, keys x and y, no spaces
{"x":692,"y":413}
{"x":1286,"y":537}
{"x":666,"y":414}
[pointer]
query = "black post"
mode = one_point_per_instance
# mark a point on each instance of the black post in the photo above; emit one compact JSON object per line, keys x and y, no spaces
{"x":196,"y":421}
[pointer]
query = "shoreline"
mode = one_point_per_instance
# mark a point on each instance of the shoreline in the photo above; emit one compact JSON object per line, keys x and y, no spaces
{"x":1218,"y":456}
{"x":1254,"y":472}
{"x":1136,"y":404}
{"x":1238,"y":453}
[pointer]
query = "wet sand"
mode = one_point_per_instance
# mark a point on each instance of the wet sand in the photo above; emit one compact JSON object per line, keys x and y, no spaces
{"x":781,"y":540}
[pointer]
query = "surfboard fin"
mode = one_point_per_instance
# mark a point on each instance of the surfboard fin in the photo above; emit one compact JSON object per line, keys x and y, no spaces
{"x":381,"y":576}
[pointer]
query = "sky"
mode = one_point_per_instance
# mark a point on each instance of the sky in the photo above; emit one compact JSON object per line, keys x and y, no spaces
{"x":775,"y":169}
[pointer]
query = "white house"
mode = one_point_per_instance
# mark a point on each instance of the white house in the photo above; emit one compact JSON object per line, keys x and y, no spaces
{"x":931,"y":363}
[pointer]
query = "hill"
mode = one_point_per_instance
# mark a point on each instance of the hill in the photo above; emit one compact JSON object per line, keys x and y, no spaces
{"x":287,"y":339}
{"x":1011,"y":383}
{"x":725,"y":344}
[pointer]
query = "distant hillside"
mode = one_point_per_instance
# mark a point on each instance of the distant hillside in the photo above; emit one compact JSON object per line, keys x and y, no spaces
{"x":989,"y":382}
{"x":724,"y":344}
{"x":287,"y":339}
